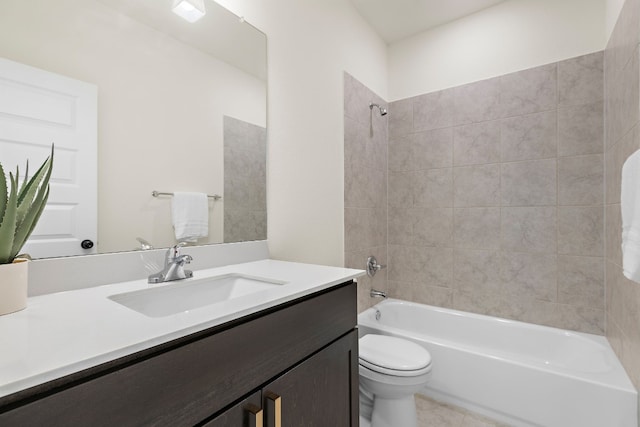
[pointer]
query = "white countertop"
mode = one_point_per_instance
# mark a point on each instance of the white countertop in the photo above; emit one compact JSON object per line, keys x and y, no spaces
{"x":62,"y":333}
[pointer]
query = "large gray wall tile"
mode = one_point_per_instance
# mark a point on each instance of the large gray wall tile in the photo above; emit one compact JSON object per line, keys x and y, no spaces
{"x":581,"y":129}
{"x":433,"y":149}
{"x":433,"y":227}
{"x":528,"y":91}
{"x":244,"y":225}
{"x":476,"y":185}
{"x":433,"y":188}
{"x":527,"y":274}
{"x":477,"y":270}
{"x":401,"y":189}
{"x":434,"y":110}
{"x":426,"y":265}
{"x":400,"y":224}
{"x":531,"y":183}
{"x":579,"y":318}
{"x":421,"y":293}
{"x":529,"y":229}
{"x":365,"y":188}
{"x":364,"y":228}
{"x":477,"y":143}
{"x":401,"y":153}
{"x":613,"y":173}
{"x":613,"y":232}
{"x":622,"y":101}
{"x":477,"y":228}
{"x":580,"y":230}
{"x":581,"y":281}
{"x":580,"y":79}
{"x":245,"y":177}
{"x":355,"y":144}
{"x":581,"y":180}
{"x":400,"y":118}
{"x":477,"y":102}
{"x":532,"y":136}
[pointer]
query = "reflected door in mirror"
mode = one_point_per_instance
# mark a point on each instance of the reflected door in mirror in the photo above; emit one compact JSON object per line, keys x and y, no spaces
{"x":38,"y":108}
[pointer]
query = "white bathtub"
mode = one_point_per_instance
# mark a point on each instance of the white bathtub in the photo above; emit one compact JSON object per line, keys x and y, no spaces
{"x":518,"y":373}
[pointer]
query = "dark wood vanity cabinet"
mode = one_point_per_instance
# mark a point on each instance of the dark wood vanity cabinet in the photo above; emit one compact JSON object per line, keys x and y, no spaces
{"x":296,"y":362}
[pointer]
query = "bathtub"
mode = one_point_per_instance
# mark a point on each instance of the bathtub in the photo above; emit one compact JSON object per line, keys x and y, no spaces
{"x":514,"y":372}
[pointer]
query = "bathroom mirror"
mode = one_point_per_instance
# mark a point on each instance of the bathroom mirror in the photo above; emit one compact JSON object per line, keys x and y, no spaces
{"x":173,"y":99}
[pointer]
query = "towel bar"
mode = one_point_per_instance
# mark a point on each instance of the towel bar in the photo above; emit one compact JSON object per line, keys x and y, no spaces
{"x":155,"y":193}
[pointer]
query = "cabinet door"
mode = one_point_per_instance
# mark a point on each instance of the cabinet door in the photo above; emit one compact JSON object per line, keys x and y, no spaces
{"x":247,"y":413}
{"x":321,"y":391}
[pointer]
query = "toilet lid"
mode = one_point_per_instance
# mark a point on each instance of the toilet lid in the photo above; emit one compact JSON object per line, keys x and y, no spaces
{"x":384,"y":353}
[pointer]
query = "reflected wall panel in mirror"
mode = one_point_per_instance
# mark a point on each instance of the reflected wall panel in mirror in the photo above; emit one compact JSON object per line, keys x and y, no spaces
{"x":165,"y":87}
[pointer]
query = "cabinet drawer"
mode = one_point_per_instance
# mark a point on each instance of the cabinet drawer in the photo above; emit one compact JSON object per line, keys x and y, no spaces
{"x":188,"y":383}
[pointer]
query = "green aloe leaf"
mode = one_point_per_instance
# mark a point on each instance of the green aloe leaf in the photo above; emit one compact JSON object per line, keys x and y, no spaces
{"x":22,"y":209}
{"x":25,"y":179}
{"x":8,"y":225}
{"x":28,"y":184}
{"x":28,"y":191}
{"x":3,"y":193}
{"x":39,"y":212}
{"x":24,"y":230}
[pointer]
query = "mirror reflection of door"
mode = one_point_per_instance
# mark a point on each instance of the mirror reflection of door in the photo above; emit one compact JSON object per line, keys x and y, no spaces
{"x":38,"y":108}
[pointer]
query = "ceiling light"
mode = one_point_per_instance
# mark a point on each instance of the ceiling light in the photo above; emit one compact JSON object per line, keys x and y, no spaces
{"x":191,"y":10}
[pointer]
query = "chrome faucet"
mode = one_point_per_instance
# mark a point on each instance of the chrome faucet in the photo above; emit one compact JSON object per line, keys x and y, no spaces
{"x":173,"y":266}
{"x":373,"y":267}
{"x":377,"y":294}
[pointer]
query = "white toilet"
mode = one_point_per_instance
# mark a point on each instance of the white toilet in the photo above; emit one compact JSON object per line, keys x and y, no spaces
{"x":392,"y":370}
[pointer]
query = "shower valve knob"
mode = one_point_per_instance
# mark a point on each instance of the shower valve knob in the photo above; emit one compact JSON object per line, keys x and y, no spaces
{"x":373,"y":267}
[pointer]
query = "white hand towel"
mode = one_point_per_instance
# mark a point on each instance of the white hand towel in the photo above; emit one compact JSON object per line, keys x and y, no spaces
{"x":190,"y":213}
{"x":630,"y":206}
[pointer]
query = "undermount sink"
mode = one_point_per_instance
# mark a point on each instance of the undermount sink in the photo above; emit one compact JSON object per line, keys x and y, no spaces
{"x":181,"y":296}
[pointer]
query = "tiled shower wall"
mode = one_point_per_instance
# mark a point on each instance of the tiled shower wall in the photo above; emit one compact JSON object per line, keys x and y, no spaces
{"x":622,"y":138}
{"x":245,"y":181}
{"x":365,"y":185}
{"x":496,"y":196}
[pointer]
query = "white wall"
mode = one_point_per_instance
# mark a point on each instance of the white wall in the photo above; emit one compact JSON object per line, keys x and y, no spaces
{"x":310,"y":44}
{"x":508,"y":37}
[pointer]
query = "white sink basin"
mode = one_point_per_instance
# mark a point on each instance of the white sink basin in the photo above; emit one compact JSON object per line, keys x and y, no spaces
{"x":181,"y":296}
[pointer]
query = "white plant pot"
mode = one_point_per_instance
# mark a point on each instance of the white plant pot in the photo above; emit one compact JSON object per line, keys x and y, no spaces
{"x":13,"y":286}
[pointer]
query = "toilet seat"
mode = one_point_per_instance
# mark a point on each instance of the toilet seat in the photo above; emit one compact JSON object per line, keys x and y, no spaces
{"x":393,"y":356}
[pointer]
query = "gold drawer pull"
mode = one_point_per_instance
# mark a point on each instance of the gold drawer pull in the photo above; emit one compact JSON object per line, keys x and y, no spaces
{"x":255,"y":415}
{"x":274,"y":409}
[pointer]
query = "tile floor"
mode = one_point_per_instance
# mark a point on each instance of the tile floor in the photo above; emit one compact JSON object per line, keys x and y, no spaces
{"x":434,"y":414}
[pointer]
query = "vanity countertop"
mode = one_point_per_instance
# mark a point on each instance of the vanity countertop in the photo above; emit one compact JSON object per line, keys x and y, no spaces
{"x":62,"y":333}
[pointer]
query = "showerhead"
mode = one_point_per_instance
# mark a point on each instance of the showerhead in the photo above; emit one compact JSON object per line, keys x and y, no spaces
{"x":383,"y":111}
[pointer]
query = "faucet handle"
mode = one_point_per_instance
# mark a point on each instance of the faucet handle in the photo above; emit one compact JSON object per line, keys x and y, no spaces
{"x":373,"y":267}
{"x":144,"y":244}
{"x":174,"y":252}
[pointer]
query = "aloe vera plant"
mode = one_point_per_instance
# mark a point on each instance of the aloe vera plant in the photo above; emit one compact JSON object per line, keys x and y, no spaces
{"x":21,"y":204}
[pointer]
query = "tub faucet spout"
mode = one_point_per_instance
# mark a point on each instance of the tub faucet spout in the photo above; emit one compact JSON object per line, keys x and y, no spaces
{"x":377,"y":294}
